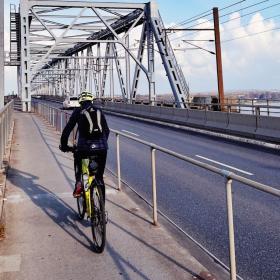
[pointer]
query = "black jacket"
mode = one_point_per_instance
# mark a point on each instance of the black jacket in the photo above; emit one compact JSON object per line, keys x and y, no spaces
{"x":83,"y":142}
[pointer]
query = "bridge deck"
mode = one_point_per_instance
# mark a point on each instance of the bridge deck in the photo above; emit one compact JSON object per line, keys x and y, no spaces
{"x":46,"y":240}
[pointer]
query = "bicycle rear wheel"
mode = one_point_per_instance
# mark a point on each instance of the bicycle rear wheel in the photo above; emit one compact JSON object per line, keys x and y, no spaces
{"x":98,"y":219}
{"x":81,"y":204}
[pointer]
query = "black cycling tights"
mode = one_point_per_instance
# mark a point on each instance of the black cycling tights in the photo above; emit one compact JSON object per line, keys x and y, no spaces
{"x":100,"y":158}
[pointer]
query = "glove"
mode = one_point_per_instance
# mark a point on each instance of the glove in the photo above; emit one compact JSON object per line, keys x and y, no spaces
{"x":63,"y":149}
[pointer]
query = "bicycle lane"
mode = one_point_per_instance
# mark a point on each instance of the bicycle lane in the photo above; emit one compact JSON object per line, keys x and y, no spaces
{"x":46,"y":240}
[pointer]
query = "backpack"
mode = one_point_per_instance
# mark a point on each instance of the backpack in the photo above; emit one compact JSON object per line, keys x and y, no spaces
{"x":91,"y":118}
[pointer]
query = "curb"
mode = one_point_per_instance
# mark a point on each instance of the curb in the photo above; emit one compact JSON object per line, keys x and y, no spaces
{"x":3,"y":180}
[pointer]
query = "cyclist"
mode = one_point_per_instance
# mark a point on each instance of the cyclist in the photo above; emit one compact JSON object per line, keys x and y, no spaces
{"x":92,"y":140}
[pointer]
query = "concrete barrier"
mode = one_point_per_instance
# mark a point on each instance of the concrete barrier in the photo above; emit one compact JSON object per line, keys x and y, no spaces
{"x":245,"y":125}
{"x":142,"y":110}
{"x":197,"y":118}
{"x":155,"y":112}
{"x":268,"y":128}
{"x":166,"y":114}
{"x":261,"y":127}
{"x":130,"y":108}
{"x":217,"y":120}
{"x":180,"y":116}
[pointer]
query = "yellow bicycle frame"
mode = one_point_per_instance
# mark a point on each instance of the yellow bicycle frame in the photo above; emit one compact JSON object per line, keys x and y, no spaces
{"x":85,"y":172}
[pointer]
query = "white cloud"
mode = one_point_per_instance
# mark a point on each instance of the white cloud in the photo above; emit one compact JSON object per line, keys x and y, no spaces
{"x":251,"y":62}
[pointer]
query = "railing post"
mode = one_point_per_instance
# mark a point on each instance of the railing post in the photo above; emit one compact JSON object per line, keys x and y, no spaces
{"x":267,"y":104}
{"x":154,"y":184}
{"x":231,"y":230}
{"x":118,"y":161}
{"x":61,"y":121}
{"x":53,"y":115}
{"x":56,"y":120}
{"x":258,"y":111}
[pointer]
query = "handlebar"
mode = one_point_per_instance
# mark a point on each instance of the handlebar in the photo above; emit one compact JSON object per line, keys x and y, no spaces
{"x":69,"y":149}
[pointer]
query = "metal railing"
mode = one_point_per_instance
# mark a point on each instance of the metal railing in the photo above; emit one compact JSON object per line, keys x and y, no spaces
{"x":257,"y":107}
{"x":56,"y":116}
{"x":6,"y":118}
{"x":252,"y":107}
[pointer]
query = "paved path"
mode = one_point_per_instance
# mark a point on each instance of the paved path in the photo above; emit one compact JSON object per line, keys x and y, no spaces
{"x":45,"y":239}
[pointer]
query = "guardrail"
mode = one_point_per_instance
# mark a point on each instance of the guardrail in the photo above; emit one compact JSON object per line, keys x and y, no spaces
{"x":57,"y":117}
{"x":257,"y":107}
{"x":256,"y":127}
{"x":262,"y":128}
{"x":249,"y":107}
{"x":6,"y":117}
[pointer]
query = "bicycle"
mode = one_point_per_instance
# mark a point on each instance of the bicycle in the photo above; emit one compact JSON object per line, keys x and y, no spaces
{"x":91,"y":202}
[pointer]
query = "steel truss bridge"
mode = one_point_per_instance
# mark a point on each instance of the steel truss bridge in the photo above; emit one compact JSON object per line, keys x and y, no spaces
{"x":63,"y":47}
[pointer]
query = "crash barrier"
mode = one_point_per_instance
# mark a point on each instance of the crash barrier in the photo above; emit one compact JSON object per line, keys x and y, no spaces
{"x":57,"y":118}
{"x":260,"y":107}
{"x":6,"y":119}
{"x":258,"y":127}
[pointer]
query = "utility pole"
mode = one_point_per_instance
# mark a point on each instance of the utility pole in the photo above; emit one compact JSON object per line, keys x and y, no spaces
{"x":219,"y":58}
{"x":2,"y":68}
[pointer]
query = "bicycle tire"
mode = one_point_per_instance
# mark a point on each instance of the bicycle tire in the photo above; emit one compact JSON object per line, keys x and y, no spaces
{"x":81,"y":204}
{"x":98,"y":219}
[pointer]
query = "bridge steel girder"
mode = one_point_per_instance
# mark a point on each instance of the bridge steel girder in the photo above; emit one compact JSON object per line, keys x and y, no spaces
{"x":104,"y":73}
{"x":57,"y":41}
{"x":137,"y":70}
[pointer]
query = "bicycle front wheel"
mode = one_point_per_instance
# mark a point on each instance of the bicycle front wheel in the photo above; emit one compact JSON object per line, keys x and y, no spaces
{"x":98,"y":219}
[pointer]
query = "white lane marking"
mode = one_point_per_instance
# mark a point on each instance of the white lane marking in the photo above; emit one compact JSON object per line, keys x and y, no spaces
{"x":229,"y":166}
{"x":10,"y":263}
{"x":130,"y":133}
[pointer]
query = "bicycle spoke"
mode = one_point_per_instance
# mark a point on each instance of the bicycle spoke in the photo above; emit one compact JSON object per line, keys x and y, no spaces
{"x":98,"y":219}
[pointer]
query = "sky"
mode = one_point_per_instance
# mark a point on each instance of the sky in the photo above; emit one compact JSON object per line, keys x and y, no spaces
{"x":249,"y":62}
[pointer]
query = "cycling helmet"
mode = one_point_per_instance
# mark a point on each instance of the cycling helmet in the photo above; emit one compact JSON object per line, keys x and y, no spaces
{"x":85,"y":96}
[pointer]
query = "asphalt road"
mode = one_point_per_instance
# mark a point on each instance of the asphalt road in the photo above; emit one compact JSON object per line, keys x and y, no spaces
{"x":195,"y":198}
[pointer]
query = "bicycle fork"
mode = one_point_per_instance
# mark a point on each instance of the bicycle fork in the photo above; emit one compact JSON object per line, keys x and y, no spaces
{"x":88,"y":202}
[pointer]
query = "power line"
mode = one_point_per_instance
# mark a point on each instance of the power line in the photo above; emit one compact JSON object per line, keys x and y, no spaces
{"x":234,"y":4}
{"x":253,"y":22}
{"x":195,"y":18}
{"x":250,"y":35}
{"x":204,"y":14}
{"x":245,"y":8}
{"x":248,"y":14}
{"x":198,"y":47}
{"x":241,"y":16}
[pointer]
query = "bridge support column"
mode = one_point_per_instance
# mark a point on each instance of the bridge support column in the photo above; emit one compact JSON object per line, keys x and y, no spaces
{"x":127,"y":64}
{"x":112,"y":90}
{"x":151,"y":58}
{"x":25,"y":57}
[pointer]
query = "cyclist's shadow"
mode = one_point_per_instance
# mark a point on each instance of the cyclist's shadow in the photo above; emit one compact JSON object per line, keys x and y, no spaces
{"x":52,"y":205}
